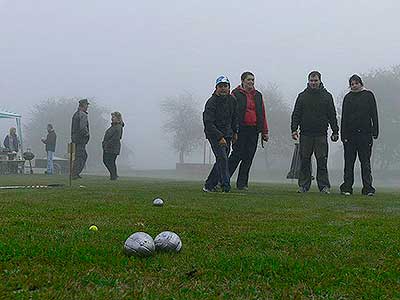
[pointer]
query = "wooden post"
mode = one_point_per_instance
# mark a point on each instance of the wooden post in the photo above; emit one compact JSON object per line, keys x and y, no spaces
{"x":71,"y":155}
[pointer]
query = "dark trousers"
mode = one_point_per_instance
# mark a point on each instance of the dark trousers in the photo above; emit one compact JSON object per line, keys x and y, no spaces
{"x":220,"y":170}
{"x":109,"y":161}
{"x":360,"y":144}
{"x":317,"y":145}
{"x":243,"y":152}
{"x":80,"y":159}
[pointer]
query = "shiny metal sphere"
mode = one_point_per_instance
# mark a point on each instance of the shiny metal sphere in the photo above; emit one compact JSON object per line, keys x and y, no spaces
{"x":139,"y":244}
{"x":168,"y":241}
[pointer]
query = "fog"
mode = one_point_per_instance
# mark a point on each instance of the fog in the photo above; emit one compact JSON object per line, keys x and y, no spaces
{"x":129,"y":55}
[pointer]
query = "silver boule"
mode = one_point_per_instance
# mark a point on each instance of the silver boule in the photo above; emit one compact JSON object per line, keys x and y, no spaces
{"x":168,"y":241}
{"x":158,"y":202}
{"x":140,"y":244}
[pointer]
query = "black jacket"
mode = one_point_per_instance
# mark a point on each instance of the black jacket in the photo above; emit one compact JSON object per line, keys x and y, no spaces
{"x":313,"y":111}
{"x":112,"y":138}
{"x":359,"y":115}
{"x":241,"y":99}
{"x":51,"y":141}
{"x":80,"y":128}
{"x":220,"y":117}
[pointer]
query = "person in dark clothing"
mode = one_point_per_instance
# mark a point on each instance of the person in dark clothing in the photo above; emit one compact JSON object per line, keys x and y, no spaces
{"x":50,"y":142}
{"x":112,"y":144}
{"x":11,"y":141}
{"x":313,"y":112}
{"x":359,"y":126}
{"x":80,"y":137}
{"x":252,"y":121}
{"x":220,"y":128}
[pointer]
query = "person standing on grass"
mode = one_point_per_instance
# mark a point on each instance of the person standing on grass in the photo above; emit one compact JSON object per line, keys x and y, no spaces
{"x":50,"y":142}
{"x":252,"y":122}
{"x":112,"y":144}
{"x":220,"y":128}
{"x":359,"y":126}
{"x":313,"y":111}
{"x":80,"y":137}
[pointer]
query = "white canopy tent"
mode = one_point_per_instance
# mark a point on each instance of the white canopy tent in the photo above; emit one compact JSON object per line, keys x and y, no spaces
{"x":17,"y":117}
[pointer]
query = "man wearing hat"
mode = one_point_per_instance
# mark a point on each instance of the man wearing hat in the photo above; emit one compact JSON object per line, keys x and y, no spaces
{"x":220,"y":128}
{"x":80,"y":137}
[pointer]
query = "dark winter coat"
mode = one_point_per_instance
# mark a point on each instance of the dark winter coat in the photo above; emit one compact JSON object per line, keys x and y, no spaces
{"x":313,"y":112}
{"x":14,"y":145}
{"x":359,"y":115}
{"x":51,"y":141}
{"x":220,"y":117}
{"x":80,"y":128}
{"x":241,"y":99}
{"x":112,"y":139}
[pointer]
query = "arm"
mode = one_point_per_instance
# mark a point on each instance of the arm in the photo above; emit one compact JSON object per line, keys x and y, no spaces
{"x":332,"y":116}
{"x":343,"y":123}
{"x":374,"y":117}
{"x":296,"y":115}
{"x":83,"y":124}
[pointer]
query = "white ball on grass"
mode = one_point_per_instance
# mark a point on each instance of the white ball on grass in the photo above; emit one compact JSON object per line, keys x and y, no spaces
{"x":140,"y":244}
{"x":168,"y":241}
{"x":158,"y":202}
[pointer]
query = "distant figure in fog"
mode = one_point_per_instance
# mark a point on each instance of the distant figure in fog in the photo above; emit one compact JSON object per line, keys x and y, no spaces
{"x":50,"y":142}
{"x":80,"y":137}
{"x":112,"y":144}
{"x":359,"y":127}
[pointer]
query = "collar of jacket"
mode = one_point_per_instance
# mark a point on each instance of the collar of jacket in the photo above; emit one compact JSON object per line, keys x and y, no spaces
{"x":243,"y":91}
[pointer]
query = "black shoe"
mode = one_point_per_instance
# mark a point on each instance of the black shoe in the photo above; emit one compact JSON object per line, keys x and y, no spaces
{"x":243,"y":188}
{"x":76,"y":177}
{"x":302,"y":190}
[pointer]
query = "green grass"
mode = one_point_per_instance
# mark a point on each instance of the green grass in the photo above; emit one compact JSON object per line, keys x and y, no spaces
{"x":268,"y":243}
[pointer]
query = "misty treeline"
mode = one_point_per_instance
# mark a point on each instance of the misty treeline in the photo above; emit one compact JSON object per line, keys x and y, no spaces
{"x":183,"y":121}
{"x":58,"y":112}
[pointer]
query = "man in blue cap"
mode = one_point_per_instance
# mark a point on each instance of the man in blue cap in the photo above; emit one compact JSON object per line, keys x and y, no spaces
{"x":220,"y":127}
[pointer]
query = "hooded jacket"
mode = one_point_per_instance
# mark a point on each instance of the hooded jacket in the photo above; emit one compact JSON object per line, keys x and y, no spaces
{"x":359,"y":115}
{"x":242,"y":96}
{"x":80,"y":127}
{"x":313,"y":112}
{"x":112,"y":138}
{"x":220,"y":117}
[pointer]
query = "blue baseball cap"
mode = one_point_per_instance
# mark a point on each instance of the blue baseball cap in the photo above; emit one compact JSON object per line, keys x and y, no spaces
{"x":222,"y":79}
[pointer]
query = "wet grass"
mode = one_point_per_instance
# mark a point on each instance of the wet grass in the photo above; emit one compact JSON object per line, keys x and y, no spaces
{"x":268,"y":243}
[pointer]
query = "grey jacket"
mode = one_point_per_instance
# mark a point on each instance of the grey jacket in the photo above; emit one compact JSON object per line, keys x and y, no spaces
{"x":112,"y":138}
{"x":80,"y":128}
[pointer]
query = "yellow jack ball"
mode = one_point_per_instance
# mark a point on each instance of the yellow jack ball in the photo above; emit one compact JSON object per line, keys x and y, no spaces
{"x":93,"y":228}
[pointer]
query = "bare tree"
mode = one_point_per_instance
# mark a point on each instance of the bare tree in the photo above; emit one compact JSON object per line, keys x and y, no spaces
{"x":183,"y":123}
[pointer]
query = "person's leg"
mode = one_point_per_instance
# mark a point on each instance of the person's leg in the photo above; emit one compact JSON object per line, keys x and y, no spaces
{"x":306,"y":150}
{"x":364,"y":147}
{"x":213,"y":178}
{"x":249,"y":150}
{"x":236,"y":155}
{"x":225,"y":177}
{"x":106,"y":161}
{"x":113,"y":167}
{"x":80,"y":159}
{"x":50,"y":165}
{"x":350,"y":154}
{"x":321,"y":154}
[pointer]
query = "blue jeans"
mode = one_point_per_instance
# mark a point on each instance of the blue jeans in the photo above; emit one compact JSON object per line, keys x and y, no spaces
{"x":50,"y":166}
{"x":220,"y":170}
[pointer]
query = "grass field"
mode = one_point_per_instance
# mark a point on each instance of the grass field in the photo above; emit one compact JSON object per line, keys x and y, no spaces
{"x":268,"y":243}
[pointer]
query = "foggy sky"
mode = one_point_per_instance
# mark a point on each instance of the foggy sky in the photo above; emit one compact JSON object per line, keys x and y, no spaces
{"x":129,"y":55}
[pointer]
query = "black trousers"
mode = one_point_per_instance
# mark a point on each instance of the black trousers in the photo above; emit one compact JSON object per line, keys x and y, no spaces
{"x":317,"y":145}
{"x":243,"y":152}
{"x":80,"y":159}
{"x":109,"y":161}
{"x":360,"y":144}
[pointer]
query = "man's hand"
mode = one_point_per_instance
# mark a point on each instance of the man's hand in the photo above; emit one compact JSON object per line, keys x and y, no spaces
{"x":375,"y":137}
{"x":222,"y":142}
{"x":295,"y":135}
{"x":265,"y":137}
{"x":234,"y":138}
{"x":334,"y":137}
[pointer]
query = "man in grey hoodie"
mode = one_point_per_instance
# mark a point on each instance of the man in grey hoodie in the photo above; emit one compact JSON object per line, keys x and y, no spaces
{"x":80,"y":137}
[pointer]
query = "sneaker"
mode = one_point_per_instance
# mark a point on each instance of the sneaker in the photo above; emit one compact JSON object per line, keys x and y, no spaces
{"x":243,"y":188}
{"x":326,"y":190}
{"x":206,"y":190}
{"x":370,"y":194}
{"x":346,"y":193}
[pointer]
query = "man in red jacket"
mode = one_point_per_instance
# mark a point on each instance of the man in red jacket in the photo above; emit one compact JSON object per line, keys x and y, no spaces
{"x":252,"y":121}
